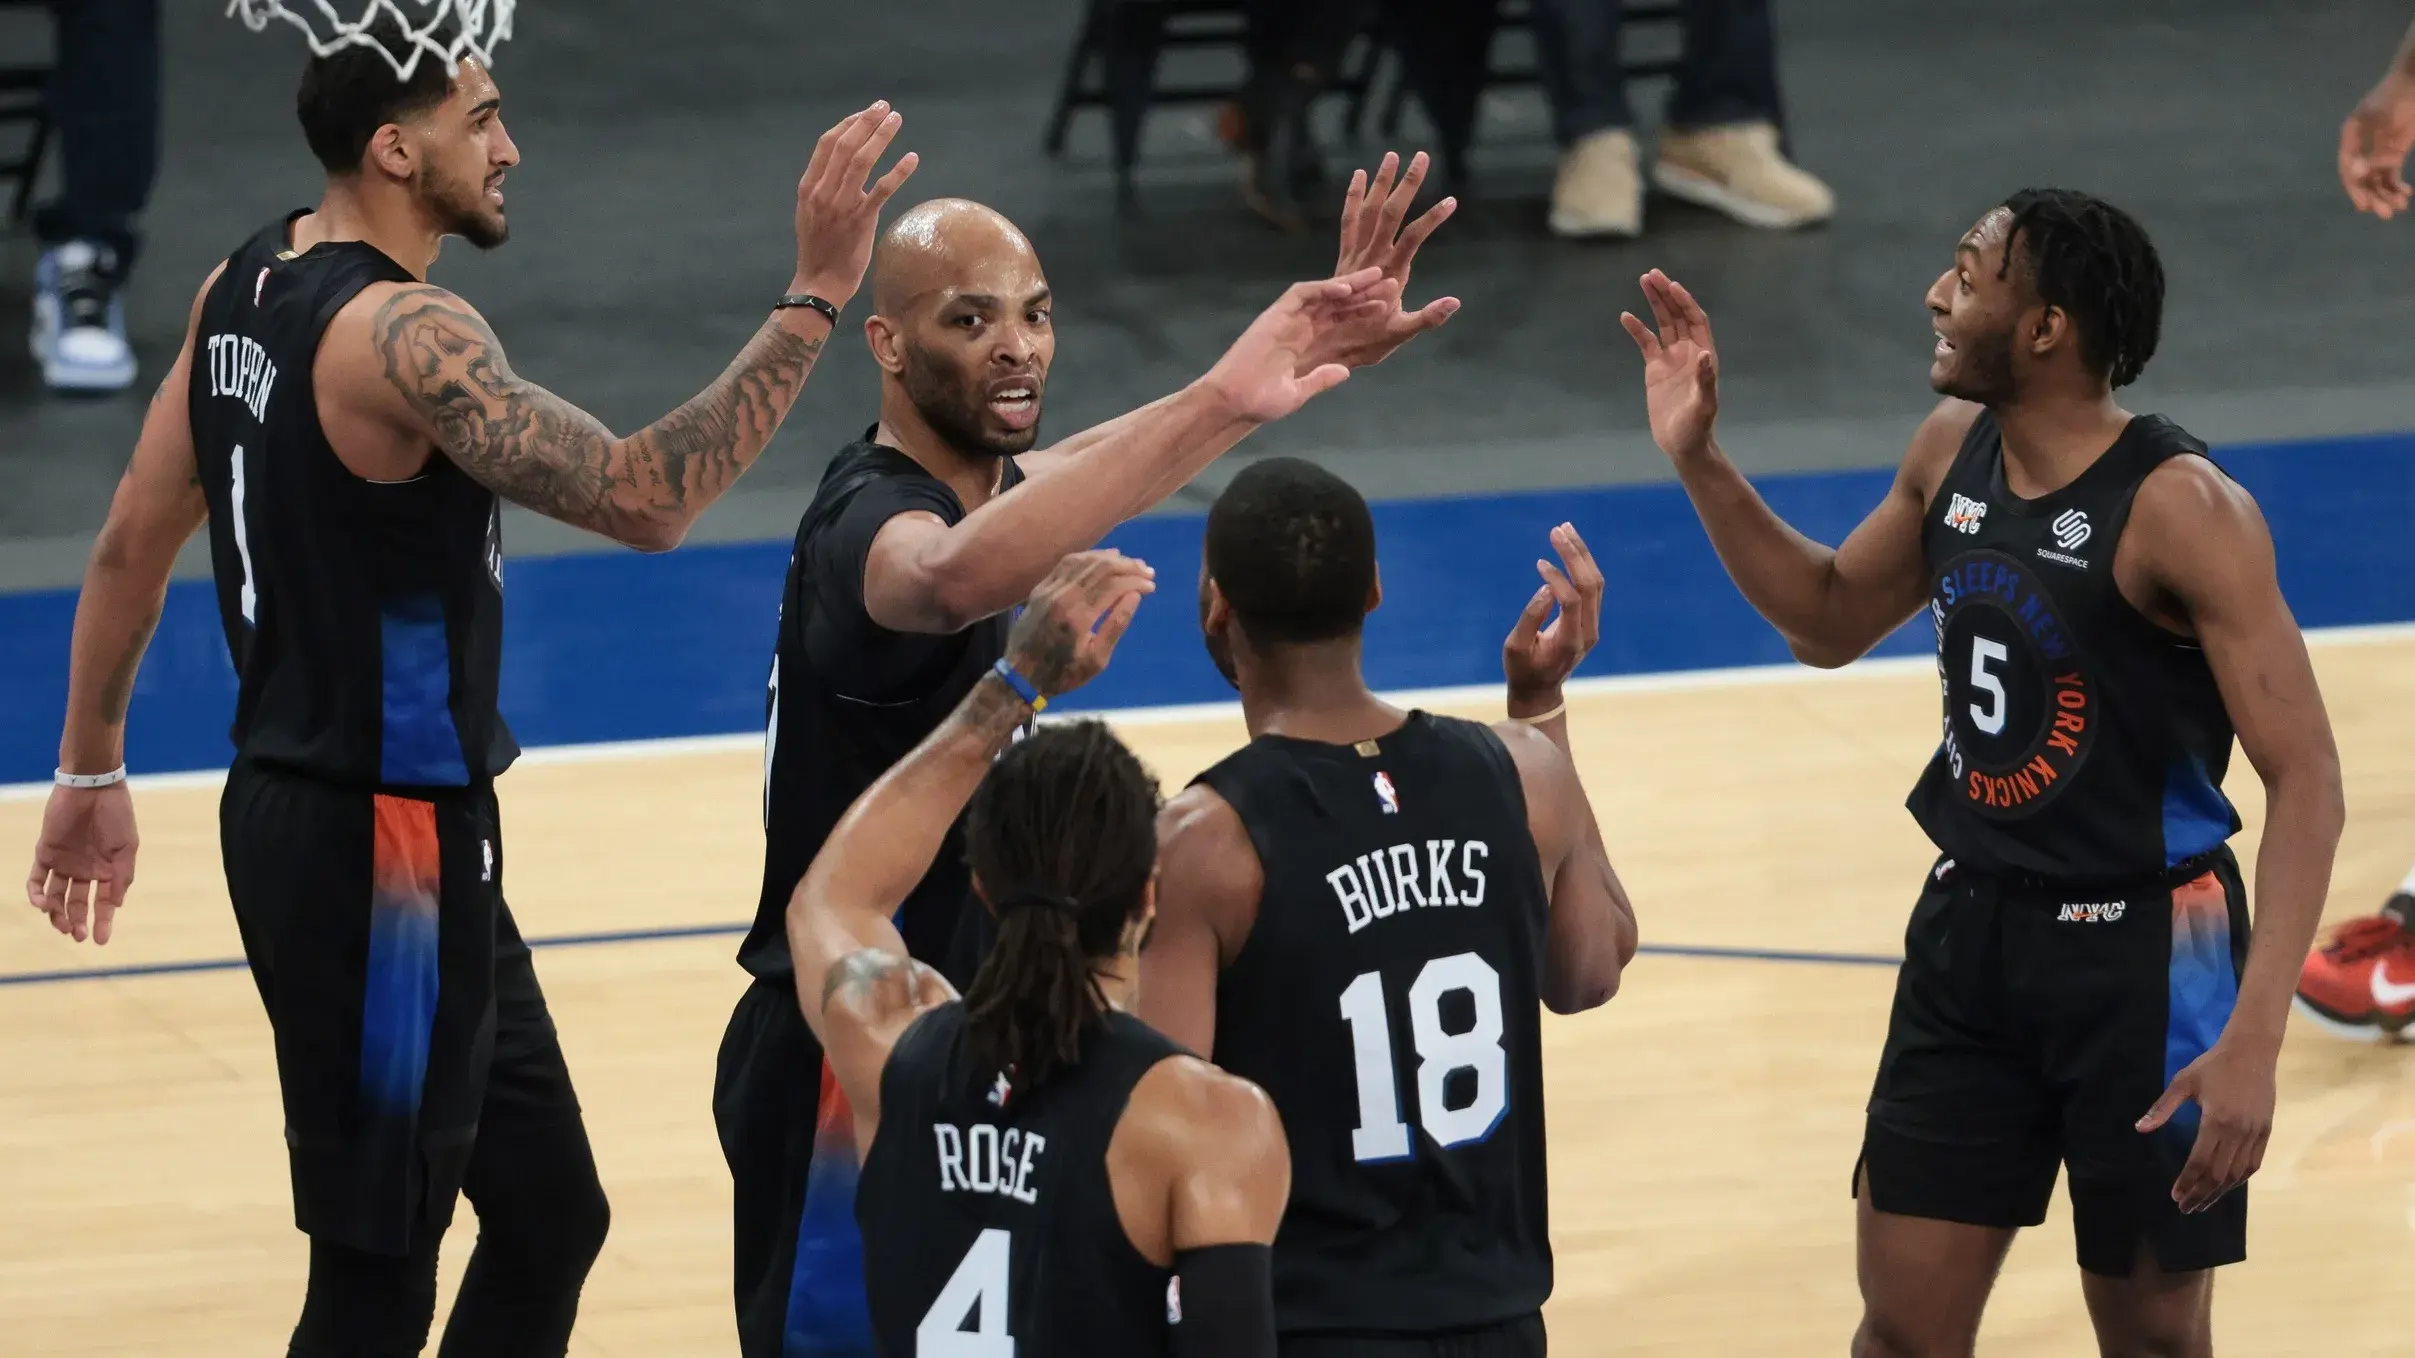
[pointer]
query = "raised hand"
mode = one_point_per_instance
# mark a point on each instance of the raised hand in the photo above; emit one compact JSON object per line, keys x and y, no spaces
{"x":2234,"y":1093}
{"x":2374,"y":142}
{"x":1271,"y":370}
{"x":84,"y":860}
{"x":1076,"y":615}
{"x":1372,"y":237}
{"x":1537,"y":659}
{"x":837,"y":216}
{"x":1681,"y":366}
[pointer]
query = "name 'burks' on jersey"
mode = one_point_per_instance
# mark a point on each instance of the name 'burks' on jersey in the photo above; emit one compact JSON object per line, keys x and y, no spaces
{"x":1385,"y":882}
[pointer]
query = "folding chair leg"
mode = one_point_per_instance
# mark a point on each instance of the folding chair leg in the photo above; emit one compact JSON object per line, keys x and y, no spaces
{"x":34,"y":146}
{"x":1134,"y":32}
{"x":1085,"y":50}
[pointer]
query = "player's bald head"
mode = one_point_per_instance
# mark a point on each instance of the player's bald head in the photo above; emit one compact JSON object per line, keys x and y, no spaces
{"x":947,"y":245}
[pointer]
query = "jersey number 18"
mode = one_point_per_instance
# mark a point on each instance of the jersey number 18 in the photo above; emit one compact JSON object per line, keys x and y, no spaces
{"x":1381,"y":1135}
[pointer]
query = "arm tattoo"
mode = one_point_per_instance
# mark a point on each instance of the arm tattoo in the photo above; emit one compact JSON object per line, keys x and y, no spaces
{"x":861,"y":977}
{"x":536,"y":449}
{"x":119,"y":690}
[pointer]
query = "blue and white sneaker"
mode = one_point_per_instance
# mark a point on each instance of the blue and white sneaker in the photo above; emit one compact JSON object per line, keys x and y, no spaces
{"x":79,"y":334}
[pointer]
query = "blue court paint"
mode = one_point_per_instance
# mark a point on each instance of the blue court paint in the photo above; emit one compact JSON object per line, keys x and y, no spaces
{"x":619,"y":646}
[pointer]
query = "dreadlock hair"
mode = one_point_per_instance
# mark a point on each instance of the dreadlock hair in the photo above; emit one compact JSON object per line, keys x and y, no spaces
{"x":350,"y":93}
{"x":1062,"y":838}
{"x":1291,"y":547}
{"x":2094,"y":262}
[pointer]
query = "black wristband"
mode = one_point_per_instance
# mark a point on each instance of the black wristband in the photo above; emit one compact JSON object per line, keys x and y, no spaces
{"x":1223,"y":1302}
{"x":829,"y":311}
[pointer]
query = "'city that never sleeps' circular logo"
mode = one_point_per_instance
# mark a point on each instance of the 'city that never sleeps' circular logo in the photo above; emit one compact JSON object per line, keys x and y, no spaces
{"x":2020,"y":712}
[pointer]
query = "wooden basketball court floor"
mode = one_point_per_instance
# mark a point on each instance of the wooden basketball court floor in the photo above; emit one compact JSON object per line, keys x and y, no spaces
{"x":1702,"y":1125}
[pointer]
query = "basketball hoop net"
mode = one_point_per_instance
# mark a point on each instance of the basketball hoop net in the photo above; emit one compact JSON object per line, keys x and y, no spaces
{"x":482,"y":25}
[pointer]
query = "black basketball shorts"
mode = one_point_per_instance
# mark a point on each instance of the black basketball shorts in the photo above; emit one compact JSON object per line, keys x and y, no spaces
{"x":377,"y":936}
{"x":2033,"y":1026}
{"x":1519,"y":1338}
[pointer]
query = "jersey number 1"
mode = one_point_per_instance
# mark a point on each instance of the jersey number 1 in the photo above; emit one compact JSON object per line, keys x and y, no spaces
{"x":977,"y":1289}
{"x":1380,"y":1134}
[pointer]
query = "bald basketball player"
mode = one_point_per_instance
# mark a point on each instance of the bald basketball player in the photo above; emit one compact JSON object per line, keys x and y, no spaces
{"x":347,"y":429}
{"x":923,"y":535}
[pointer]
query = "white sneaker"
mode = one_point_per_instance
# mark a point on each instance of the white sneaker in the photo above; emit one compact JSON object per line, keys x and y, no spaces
{"x":1599,"y":191}
{"x":79,"y":329}
{"x":1738,"y":170}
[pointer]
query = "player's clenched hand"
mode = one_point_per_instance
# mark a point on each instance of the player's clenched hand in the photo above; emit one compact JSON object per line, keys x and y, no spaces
{"x":837,"y":216}
{"x":1075,"y":617}
{"x":84,"y":860}
{"x":2233,"y":1090}
{"x":1681,"y":366}
{"x":1373,"y":237}
{"x":2374,"y":142}
{"x":1537,"y":659}
{"x":1267,"y":374}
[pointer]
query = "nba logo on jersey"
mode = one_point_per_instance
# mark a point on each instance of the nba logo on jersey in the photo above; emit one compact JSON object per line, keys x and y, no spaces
{"x":258,"y":284}
{"x":1964,"y":514}
{"x":1386,"y":793}
{"x":1000,"y":1090}
{"x":1174,"y":1300}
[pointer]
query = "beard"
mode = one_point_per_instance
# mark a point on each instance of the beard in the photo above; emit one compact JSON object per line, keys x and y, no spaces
{"x":956,"y":409}
{"x":461,"y":210}
{"x":1984,"y":374}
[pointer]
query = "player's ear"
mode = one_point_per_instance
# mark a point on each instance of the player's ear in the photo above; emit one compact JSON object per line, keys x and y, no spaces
{"x":1375,"y":591}
{"x":1136,"y":930}
{"x":981,"y":894}
{"x":2048,"y":327}
{"x":392,"y":153}
{"x":1215,"y":615}
{"x":887,"y":343}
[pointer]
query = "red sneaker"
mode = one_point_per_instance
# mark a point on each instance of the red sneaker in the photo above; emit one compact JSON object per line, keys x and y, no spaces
{"x":2362,"y":982}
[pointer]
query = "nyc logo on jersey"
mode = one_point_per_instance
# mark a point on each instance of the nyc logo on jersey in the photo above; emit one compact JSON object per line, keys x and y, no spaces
{"x":1386,"y":793}
{"x":1964,"y":513}
{"x":2091,"y":912}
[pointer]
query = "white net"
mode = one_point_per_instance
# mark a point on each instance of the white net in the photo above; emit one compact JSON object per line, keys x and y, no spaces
{"x":477,"y":27}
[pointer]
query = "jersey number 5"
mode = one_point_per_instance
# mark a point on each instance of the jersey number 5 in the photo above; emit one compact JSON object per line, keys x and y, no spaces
{"x":976,"y":1290}
{"x":1380,"y":1134}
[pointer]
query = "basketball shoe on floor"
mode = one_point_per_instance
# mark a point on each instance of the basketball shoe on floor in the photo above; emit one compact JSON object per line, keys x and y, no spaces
{"x":79,"y":331}
{"x":2361,"y":983}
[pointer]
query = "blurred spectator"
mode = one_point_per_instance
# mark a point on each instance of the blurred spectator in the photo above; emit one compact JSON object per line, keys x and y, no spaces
{"x":104,"y":104}
{"x":1295,"y":51}
{"x":1719,"y":140}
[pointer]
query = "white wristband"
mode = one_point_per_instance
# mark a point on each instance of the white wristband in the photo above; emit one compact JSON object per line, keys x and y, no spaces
{"x":89,"y":780}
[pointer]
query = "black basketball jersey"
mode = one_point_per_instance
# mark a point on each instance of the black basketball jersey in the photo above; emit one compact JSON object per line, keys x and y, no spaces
{"x":993,"y":1229}
{"x":2082,"y":741}
{"x":365,"y":618}
{"x":848,"y":698}
{"x":1388,"y":1000}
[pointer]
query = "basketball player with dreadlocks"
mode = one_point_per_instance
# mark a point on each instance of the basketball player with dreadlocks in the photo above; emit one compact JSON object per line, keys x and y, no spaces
{"x":2079,"y":988}
{"x":1364,"y":910}
{"x":1042,"y":1172}
{"x":348,"y":430}
{"x":2361,"y":982}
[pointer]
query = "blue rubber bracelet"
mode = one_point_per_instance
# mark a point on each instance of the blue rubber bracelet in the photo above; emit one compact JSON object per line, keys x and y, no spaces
{"x":1023,"y":687}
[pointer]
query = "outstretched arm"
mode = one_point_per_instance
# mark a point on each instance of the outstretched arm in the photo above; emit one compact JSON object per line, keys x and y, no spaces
{"x":855,"y":982}
{"x":925,"y":576}
{"x":1831,"y":604}
{"x":2210,"y":552}
{"x":84,"y":860}
{"x":456,"y":388}
{"x":1591,"y":934}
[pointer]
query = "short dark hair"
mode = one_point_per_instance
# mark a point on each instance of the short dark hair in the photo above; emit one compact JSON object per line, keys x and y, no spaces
{"x":2093,"y":261}
{"x":347,"y":95}
{"x":1062,"y":836}
{"x":1292,"y":548}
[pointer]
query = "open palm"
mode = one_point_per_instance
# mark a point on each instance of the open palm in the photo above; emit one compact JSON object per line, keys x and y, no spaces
{"x":1681,"y":366}
{"x":1264,"y":376}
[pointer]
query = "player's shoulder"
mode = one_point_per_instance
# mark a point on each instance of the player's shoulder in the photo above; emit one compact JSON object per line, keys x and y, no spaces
{"x":1938,"y":441}
{"x":1203,"y":846}
{"x":2187,"y":502}
{"x":1192,"y":1112}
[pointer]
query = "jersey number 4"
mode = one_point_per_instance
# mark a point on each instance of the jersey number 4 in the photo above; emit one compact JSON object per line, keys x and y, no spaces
{"x":976,"y":1291}
{"x":1381,"y":1135}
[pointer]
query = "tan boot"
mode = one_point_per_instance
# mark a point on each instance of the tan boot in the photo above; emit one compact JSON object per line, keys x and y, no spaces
{"x":1599,"y":191}
{"x":1739,"y":171}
